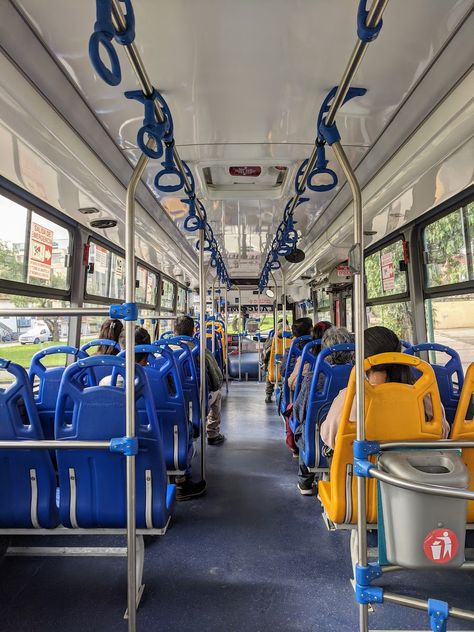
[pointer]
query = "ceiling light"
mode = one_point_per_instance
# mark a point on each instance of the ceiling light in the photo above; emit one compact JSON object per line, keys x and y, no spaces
{"x":104,"y":223}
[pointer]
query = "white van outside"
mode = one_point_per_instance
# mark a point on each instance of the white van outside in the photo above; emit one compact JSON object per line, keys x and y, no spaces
{"x":35,"y":335}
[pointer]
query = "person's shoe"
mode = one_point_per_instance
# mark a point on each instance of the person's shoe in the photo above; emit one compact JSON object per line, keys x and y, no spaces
{"x":189,"y":489}
{"x":217,"y":440}
{"x":306,"y":489}
{"x":268,"y":399}
{"x":296,"y":455}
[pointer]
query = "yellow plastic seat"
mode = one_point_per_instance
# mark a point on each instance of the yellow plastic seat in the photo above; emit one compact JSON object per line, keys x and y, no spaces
{"x":463,"y":429}
{"x":393,"y":412}
{"x":279,"y":346}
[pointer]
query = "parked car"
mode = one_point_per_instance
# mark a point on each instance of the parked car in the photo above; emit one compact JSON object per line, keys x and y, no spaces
{"x":35,"y":335}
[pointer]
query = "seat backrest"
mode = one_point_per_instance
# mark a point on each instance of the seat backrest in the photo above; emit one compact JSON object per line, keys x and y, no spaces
{"x":308,"y":358}
{"x":295,"y":351}
{"x":393,"y":412}
{"x":279,"y":346}
{"x":326,"y":382}
{"x":189,"y":381}
{"x":449,"y":376}
{"x":45,"y":382}
{"x":170,"y":407}
{"x":101,"y":371}
{"x":93,"y":482}
{"x":463,"y":429}
{"x":27,"y":478}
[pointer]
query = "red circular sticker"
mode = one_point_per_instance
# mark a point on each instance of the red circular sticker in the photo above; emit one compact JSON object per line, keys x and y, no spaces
{"x":441,"y":545}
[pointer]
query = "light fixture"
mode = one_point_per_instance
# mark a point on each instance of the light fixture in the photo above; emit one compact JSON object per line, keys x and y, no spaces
{"x":89,"y":210}
{"x":370,"y":233}
{"x":270,"y":293}
{"x":104,"y":223}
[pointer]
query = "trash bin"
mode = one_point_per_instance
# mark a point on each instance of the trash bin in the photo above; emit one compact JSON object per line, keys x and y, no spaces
{"x":423,"y":530}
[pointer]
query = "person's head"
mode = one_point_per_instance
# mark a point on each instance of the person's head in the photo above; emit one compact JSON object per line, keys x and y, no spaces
{"x":142,"y":337}
{"x":383,"y":340}
{"x":184,"y":326}
{"x":337,"y":336}
{"x":302,"y":327}
{"x":110,"y":329}
{"x":320,"y":328}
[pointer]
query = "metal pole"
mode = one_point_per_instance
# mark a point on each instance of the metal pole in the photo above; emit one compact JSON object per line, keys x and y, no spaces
{"x":275,"y":330}
{"x":213,"y":316}
{"x":425,"y":488}
{"x":259,"y":336}
{"x":226,"y":318}
{"x":358,"y":267}
{"x":202,"y":350}
{"x":421,"y":604}
{"x":51,"y":311}
{"x":239,"y":320}
{"x":130,"y":277}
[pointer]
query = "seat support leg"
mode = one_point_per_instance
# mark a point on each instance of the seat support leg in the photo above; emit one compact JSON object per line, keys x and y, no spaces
{"x":140,"y":564}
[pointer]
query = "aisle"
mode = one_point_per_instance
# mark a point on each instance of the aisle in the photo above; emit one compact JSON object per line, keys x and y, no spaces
{"x":252,"y":555}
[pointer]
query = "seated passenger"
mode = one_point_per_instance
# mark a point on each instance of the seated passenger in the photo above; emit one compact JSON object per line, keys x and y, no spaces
{"x":332,"y":336}
{"x":111,"y":329}
{"x":184,"y":326}
{"x":142,"y":337}
{"x":318,"y":332}
{"x":376,"y":340}
{"x":301,"y":327}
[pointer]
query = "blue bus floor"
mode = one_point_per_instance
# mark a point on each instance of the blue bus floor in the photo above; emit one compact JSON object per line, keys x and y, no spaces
{"x":251,"y":555}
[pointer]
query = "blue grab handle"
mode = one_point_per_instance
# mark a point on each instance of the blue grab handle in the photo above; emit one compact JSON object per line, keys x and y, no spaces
{"x":330,"y":133}
{"x":127,"y":36}
{"x":299,"y":174}
{"x":103,"y":35}
{"x":321,"y":168}
{"x":151,"y":127}
{"x":169,"y":169}
{"x":364,"y":32}
{"x":192,"y":223}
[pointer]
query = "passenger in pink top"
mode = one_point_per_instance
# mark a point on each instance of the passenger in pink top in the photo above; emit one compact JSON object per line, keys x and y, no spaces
{"x":376,"y":340}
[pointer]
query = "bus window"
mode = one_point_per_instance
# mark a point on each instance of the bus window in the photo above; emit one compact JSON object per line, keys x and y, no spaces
{"x":167,"y":295}
{"x":181,"y":300}
{"x":395,"y":316}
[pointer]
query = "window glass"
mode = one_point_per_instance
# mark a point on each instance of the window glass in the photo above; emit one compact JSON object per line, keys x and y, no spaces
{"x":33,"y":249}
{"x":322,"y":298}
{"x":147,"y":283}
{"x":323,"y":314}
{"x":181,"y":300}
{"x":383,"y":274}
{"x":448,"y":246}
{"x":117,"y":277}
{"x":107,"y":273}
{"x":450,"y":321}
{"x":395,"y":316}
{"x":167,"y":294}
{"x":22,"y":337}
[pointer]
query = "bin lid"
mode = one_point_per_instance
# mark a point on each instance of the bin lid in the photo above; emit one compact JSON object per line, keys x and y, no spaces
{"x":435,"y":467}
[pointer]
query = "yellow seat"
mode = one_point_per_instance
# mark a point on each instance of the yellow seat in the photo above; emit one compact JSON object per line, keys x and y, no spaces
{"x":393,"y":412}
{"x":463,"y":429}
{"x":279,"y":346}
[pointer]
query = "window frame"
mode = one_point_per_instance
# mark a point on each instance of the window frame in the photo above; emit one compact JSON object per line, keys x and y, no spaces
{"x":390,"y":298}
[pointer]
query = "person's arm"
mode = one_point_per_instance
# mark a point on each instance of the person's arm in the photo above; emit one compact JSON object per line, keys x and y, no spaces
{"x":214,"y":374}
{"x":330,"y":425}
{"x":428,"y":404}
{"x":294,"y":375}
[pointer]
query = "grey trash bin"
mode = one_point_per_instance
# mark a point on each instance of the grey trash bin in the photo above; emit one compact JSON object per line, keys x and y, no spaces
{"x":423,"y":530}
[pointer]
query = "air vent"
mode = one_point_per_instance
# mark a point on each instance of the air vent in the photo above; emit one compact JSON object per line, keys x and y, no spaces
{"x":89,"y":210}
{"x":104,"y":223}
{"x":251,"y":181}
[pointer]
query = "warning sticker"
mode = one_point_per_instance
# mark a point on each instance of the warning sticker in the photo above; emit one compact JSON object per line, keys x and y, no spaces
{"x":41,"y":252}
{"x":388,"y":271}
{"x":441,"y":545}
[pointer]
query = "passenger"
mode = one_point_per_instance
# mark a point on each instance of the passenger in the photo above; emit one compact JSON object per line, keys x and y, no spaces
{"x":184,"y":326}
{"x":376,"y":340}
{"x":318,"y":331}
{"x":110,"y":330}
{"x":142,"y":337}
{"x":332,"y":336}
{"x":266,"y":353}
{"x":301,"y":327}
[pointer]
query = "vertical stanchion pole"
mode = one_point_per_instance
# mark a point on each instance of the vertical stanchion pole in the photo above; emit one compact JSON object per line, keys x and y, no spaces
{"x":283,"y":304}
{"x":130,"y":389}
{"x":226,"y":318}
{"x":239,"y":320}
{"x":275,"y":332}
{"x":259,"y":336}
{"x":213,"y":316}
{"x":357,"y":264}
{"x":202,"y":350}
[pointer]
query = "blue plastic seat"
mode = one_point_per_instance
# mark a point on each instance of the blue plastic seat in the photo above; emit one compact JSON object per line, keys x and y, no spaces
{"x":189,"y":381}
{"x":449,"y":376}
{"x":45,"y":382}
{"x":101,"y":371}
{"x":93,"y":482}
{"x":27,"y":478}
{"x":308,"y":357}
{"x":326,"y":382}
{"x":295,"y":351}
{"x":170,"y":407}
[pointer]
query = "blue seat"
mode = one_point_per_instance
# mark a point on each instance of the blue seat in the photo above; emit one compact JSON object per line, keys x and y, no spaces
{"x":102,"y":371}
{"x":308,"y":357}
{"x":449,"y":376}
{"x":189,"y":381}
{"x":93,"y":482}
{"x":218,"y":350}
{"x":45,"y":382}
{"x":326,"y":382}
{"x":170,"y":407}
{"x":296,"y":350}
{"x":27,"y":478}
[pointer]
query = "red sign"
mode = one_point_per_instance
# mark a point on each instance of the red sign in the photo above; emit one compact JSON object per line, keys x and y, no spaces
{"x":388,"y":271}
{"x":251,"y":172}
{"x":441,"y":545}
{"x":344,"y":271}
{"x":41,"y":252}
